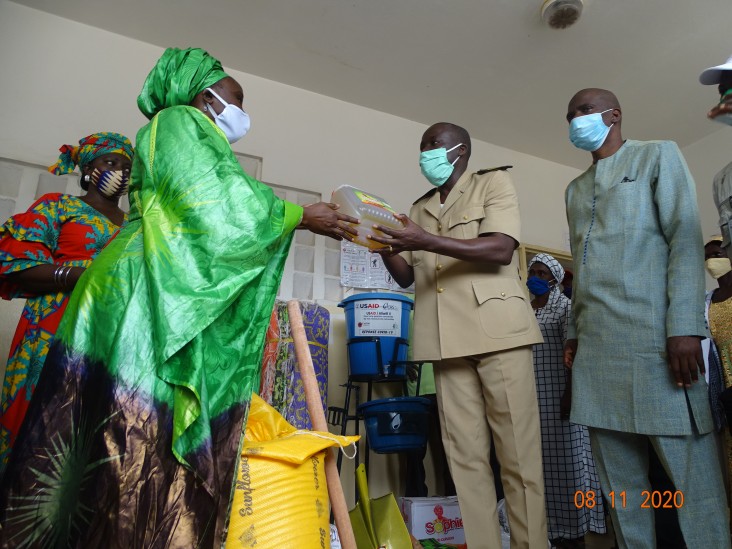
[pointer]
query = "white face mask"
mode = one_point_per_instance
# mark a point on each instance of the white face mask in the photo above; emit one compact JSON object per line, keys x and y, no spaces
{"x":233,"y":121}
{"x":717,"y":267}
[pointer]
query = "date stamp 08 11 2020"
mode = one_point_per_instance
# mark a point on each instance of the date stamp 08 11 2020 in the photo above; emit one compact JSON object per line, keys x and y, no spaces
{"x":652,"y":499}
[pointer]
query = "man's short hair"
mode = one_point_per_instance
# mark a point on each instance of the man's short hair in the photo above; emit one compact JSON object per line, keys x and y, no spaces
{"x":460,"y":134}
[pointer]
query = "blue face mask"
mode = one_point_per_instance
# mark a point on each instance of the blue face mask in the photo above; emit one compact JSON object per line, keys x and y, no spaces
{"x":589,"y":132}
{"x":537,"y":286}
{"x":435,"y":165}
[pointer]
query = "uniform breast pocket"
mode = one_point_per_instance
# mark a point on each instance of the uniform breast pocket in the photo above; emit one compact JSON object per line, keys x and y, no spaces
{"x":503,"y":308}
{"x":466,"y":223}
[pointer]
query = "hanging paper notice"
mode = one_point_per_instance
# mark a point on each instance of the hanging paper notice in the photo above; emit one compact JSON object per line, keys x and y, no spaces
{"x":362,"y":269}
{"x":378,"y":317}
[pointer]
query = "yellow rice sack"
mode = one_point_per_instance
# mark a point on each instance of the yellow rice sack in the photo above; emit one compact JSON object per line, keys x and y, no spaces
{"x":280,"y":494}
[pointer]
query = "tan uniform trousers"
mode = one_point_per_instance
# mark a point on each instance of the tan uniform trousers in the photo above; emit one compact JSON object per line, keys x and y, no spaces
{"x":493,"y":397}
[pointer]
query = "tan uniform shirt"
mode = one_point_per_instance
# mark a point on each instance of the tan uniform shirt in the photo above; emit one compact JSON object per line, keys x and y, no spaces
{"x":467,"y":308}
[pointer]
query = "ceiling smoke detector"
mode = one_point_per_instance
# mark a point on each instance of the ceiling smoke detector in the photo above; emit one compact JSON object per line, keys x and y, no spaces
{"x":560,"y":14}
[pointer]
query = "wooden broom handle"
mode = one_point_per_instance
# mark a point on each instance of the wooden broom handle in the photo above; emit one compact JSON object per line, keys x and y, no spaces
{"x":317,"y":416}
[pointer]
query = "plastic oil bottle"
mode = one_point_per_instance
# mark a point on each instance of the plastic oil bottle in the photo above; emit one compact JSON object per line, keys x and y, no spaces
{"x":367,"y":208}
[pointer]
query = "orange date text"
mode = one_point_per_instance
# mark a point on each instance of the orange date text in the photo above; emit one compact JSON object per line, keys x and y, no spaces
{"x":650,"y":499}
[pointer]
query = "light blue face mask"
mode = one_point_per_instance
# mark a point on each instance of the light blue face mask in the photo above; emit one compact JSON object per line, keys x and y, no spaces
{"x":589,"y":132}
{"x":435,"y":165}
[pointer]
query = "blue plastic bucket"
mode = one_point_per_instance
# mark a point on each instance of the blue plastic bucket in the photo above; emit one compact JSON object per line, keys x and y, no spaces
{"x":396,"y":424}
{"x":377,"y":326}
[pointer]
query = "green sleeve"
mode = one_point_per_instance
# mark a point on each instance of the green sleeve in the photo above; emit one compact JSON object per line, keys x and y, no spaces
{"x":293,"y":216}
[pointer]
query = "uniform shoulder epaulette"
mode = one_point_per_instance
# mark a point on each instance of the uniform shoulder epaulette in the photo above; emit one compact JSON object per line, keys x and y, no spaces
{"x":425,"y":195}
{"x":487,"y":170}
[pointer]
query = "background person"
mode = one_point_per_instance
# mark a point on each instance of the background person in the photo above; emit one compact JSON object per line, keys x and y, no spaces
{"x":719,"y":317}
{"x":721,"y":76}
{"x":161,"y":344}
{"x":473,"y":320}
{"x":565,"y":447}
{"x":414,"y":469}
{"x":45,"y":250}
{"x":415,"y":475}
{"x":567,"y":283}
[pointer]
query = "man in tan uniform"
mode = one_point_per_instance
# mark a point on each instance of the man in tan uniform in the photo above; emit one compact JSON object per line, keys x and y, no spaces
{"x":473,"y":319}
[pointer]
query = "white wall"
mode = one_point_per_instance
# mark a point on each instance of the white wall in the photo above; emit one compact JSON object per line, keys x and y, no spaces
{"x":63,"y":80}
{"x":307,"y":140}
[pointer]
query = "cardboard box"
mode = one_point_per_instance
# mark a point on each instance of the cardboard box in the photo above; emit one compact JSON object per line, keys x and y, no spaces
{"x":433,"y":518}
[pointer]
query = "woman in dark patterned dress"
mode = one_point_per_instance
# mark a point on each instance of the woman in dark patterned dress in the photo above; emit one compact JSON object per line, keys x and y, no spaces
{"x":566,"y":453}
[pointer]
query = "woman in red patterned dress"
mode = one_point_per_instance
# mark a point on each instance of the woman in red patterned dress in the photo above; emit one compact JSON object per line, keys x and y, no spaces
{"x":45,"y":250}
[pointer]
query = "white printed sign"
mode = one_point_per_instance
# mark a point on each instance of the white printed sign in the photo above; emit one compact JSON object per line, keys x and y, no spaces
{"x":362,"y":269}
{"x":378,"y":317}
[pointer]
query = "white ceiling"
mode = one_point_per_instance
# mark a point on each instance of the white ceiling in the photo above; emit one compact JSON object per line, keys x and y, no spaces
{"x":489,"y":65}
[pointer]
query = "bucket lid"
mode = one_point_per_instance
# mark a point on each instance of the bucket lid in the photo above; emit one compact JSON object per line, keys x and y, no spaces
{"x":376,"y":295}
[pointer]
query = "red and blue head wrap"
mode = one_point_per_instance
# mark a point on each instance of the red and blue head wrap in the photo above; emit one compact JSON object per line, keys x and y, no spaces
{"x":91,"y":147}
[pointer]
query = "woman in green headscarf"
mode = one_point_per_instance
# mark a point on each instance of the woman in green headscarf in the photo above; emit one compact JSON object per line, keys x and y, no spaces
{"x":133,"y":434}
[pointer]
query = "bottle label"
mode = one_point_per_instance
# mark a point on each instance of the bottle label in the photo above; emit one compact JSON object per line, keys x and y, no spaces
{"x":372,"y":201}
